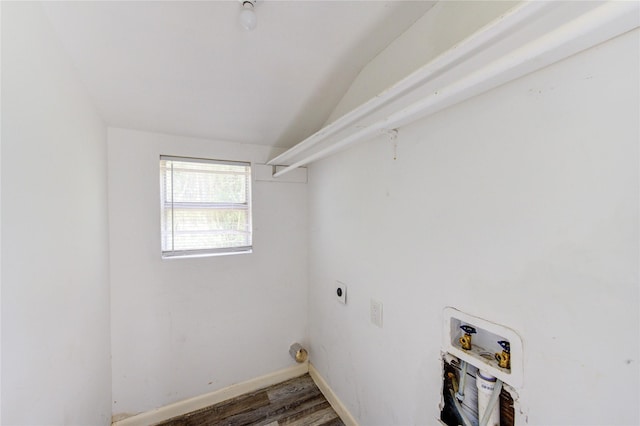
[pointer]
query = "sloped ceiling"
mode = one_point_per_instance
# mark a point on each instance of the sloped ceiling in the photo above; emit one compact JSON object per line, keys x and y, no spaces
{"x":188,"y":68}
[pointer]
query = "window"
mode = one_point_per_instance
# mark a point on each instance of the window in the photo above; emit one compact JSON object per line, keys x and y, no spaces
{"x":206,"y":206}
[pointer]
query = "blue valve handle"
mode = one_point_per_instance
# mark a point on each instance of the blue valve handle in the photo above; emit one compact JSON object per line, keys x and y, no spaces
{"x":468,"y":329}
{"x":506,"y":346}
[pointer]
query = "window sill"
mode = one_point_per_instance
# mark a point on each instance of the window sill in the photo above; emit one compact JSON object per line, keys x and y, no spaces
{"x":200,"y":255}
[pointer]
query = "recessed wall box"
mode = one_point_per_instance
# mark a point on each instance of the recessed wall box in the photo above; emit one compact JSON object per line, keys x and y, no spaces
{"x":484,"y":346}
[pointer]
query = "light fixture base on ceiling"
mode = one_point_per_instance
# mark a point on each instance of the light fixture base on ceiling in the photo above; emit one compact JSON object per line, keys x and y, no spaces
{"x":247,"y":17}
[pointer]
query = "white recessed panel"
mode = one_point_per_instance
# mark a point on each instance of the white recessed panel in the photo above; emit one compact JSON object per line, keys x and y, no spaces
{"x":484,"y":345}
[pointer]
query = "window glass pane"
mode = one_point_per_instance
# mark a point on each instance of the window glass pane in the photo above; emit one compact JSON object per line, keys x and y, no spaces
{"x":205,"y":205}
{"x":203,"y":182}
{"x":201,"y":229}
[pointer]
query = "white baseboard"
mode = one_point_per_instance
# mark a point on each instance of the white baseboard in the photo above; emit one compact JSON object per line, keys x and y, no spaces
{"x":328,"y":393}
{"x":188,"y":405}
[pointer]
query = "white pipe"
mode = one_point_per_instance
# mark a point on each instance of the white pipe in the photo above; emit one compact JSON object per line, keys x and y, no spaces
{"x":465,"y":421}
{"x":590,"y":29}
{"x":463,"y":379}
{"x":492,"y":404}
{"x":463,"y":50}
{"x":489,"y":389}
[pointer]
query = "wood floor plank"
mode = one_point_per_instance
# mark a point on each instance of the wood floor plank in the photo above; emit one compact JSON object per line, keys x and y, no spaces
{"x":216,"y":413}
{"x":253,"y":401}
{"x":303,"y":410}
{"x":275,"y":410}
{"x":291,"y":387}
{"x":295,"y":402}
{"x":317,"y":418}
{"x":335,"y":422}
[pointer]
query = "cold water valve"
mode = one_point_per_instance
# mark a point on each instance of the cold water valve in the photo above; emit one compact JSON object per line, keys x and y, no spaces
{"x":465,"y":341}
{"x":504,"y":358}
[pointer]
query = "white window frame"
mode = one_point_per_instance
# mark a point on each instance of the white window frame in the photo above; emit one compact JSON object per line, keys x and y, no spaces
{"x":173,"y":253}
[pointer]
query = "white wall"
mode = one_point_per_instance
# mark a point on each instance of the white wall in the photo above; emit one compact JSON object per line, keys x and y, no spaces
{"x":439,"y":29}
{"x":519,"y":206}
{"x":55,"y":294}
{"x":185,"y":327}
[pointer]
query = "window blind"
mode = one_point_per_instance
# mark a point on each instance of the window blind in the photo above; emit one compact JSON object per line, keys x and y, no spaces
{"x":205,"y":206}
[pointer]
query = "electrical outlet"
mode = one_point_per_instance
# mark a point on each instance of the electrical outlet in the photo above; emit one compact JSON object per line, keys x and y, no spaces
{"x":376,"y":313}
{"x":341,"y":292}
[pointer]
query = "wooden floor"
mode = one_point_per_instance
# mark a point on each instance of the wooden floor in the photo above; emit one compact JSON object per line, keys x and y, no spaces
{"x":296,"y":402}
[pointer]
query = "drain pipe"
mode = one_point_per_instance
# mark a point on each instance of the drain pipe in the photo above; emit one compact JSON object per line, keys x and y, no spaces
{"x":489,"y":389}
{"x":458,"y":396}
{"x":463,"y":379}
{"x":465,"y":421}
